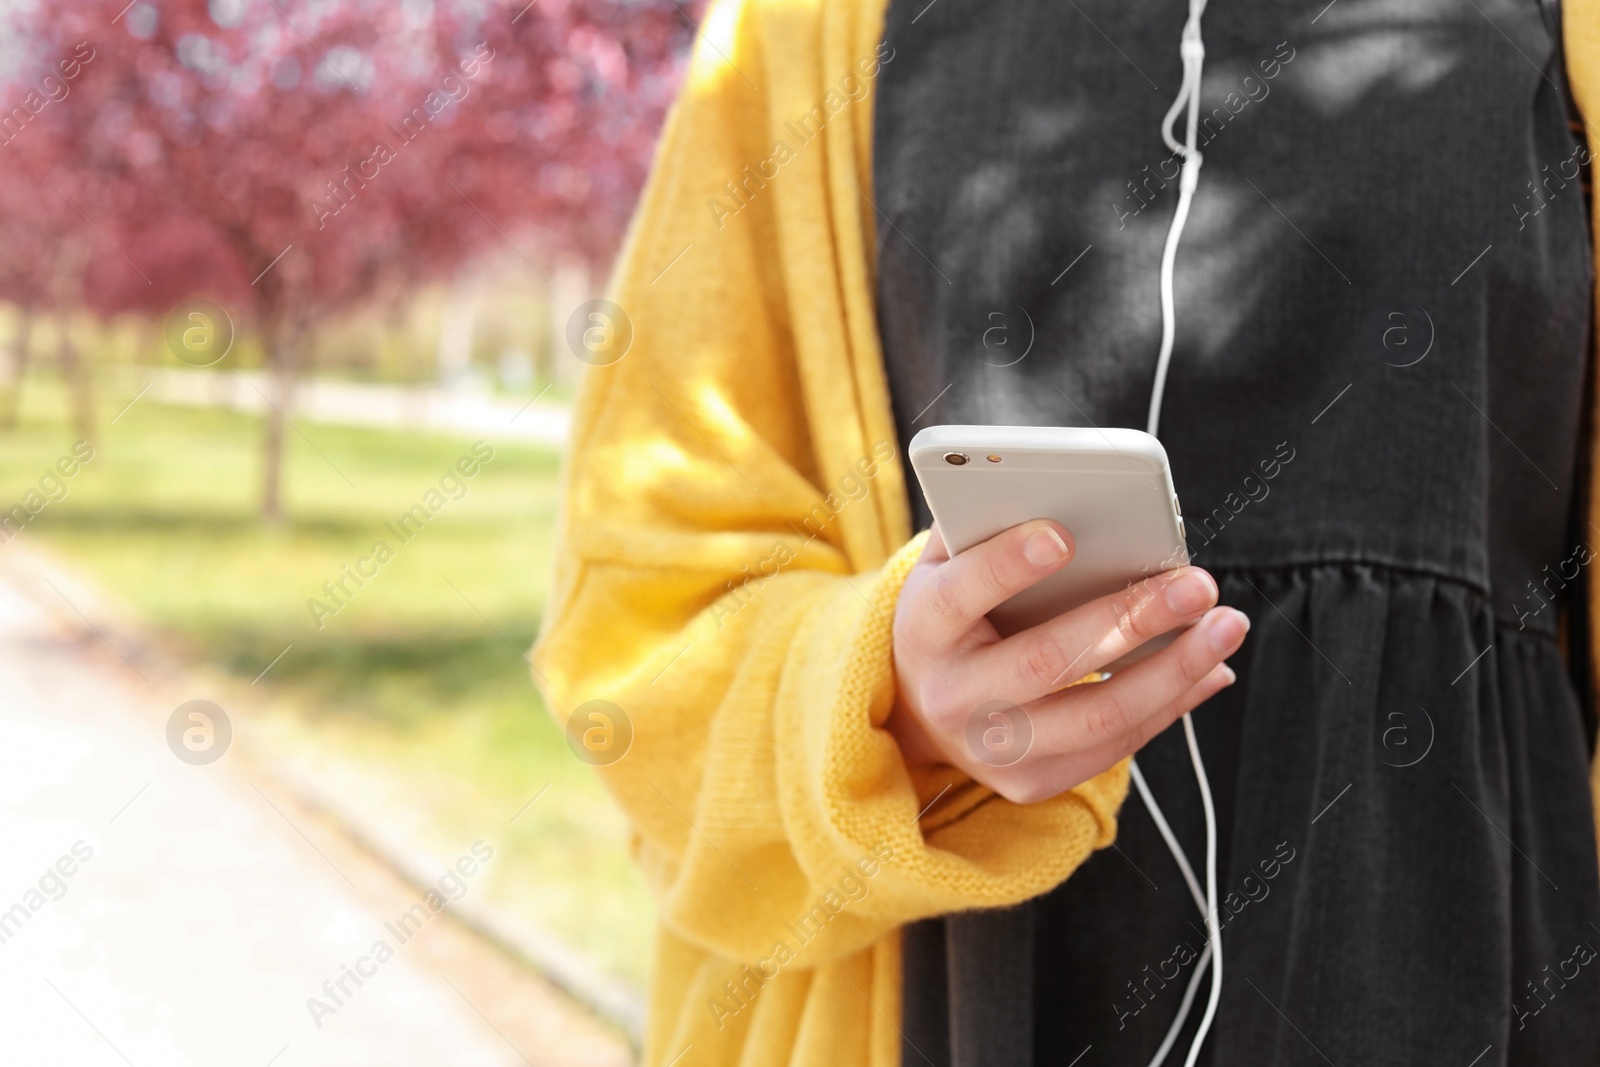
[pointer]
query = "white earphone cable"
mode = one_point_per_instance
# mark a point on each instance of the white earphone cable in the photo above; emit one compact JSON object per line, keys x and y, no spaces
{"x":1195,"y":891}
{"x":1193,"y":52}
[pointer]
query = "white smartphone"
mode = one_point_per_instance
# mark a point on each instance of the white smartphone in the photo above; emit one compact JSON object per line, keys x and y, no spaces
{"x":1111,"y":488}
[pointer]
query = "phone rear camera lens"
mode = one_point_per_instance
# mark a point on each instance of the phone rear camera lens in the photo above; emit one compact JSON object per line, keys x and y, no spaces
{"x":955,"y":458}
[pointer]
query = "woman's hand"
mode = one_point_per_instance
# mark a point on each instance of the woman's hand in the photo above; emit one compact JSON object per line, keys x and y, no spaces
{"x":995,"y":707}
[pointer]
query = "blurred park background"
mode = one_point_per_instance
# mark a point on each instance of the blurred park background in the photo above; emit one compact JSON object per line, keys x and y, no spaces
{"x":280,"y":264}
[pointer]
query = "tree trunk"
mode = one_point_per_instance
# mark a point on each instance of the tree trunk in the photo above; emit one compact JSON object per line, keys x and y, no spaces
{"x":144,"y":335}
{"x":454,"y":354}
{"x":544,"y":344}
{"x":22,"y":340}
{"x":71,"y":259}
{"x":282,"y":342}
{"x":570,"y":288}
{"x":80,"y":381}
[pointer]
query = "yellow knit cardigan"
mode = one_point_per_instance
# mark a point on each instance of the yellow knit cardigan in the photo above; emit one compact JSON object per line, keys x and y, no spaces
{"x":734,"y":534}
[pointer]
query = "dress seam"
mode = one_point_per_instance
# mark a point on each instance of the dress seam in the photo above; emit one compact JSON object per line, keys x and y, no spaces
{"x":1470,"y":584}
{"x":1476,"y":589}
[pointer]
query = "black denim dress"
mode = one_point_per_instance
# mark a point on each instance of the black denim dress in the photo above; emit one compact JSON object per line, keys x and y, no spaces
{"x":1373,"y":415}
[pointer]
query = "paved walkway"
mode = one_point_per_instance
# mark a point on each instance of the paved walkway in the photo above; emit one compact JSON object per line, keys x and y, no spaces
{"x":368,"y":404}
{"x":158,"y":913}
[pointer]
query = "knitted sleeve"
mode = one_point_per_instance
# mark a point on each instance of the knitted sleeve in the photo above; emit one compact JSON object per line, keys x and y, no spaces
{"x":708,"y":587}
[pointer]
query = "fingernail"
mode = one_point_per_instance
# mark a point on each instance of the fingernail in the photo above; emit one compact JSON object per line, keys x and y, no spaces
{"x":1227,"y":673}
{"x":1190,"y":592}
{"x":1226,"y":628}
{"x":1044,"y":548}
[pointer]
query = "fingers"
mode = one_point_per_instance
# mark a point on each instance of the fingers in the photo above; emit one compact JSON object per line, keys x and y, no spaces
{"x":965,"y":588}
{"x":1220,"y":677}
{"x":1056,"y":774}
{"x":1038,"y":661}
{"x":1055,"y":739}
{"x":1139,"y":702}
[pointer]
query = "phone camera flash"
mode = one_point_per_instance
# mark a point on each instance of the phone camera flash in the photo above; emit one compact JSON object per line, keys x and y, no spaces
{"x":955,"y":459}
{"x":992,"y":459}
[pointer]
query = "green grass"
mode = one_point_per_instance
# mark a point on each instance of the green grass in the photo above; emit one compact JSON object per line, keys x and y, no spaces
{"x":414,"y":694}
